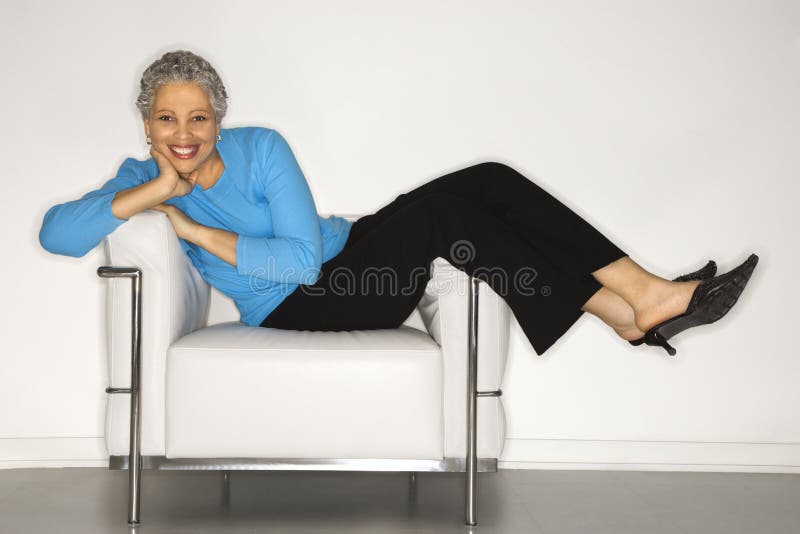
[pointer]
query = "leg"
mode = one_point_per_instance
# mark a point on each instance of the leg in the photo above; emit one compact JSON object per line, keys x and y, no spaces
{"x":404,"y":243}
{"x":537,"y":217}
{"x":531,"y":212}
{"x":544,"y":222}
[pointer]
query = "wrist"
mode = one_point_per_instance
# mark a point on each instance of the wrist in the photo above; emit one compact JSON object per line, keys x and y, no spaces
{"x":163,"y":190}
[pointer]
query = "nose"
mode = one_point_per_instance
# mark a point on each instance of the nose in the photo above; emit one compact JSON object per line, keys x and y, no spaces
{"x":183,"y":130}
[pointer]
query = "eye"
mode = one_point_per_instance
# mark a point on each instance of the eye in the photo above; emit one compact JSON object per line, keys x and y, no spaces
{"x":196,"y":117}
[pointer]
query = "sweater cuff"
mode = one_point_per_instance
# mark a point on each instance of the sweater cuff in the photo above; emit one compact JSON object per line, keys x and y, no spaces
{"x":255,"y":258}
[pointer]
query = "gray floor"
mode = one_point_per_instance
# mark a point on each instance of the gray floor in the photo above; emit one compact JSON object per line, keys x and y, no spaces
{"x":93,"y":500}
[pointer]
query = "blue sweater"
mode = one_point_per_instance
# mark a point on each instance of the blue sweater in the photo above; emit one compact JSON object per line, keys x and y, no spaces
{"x":262,"y":196}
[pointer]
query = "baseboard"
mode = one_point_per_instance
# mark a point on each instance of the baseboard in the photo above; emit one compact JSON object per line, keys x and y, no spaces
{"x":620,"y":455}
{"x":608,"y":455}
{"x":16,"y":453}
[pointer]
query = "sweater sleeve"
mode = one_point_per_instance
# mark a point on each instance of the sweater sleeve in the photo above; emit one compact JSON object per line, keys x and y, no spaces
{"x":294,"y":254}
{"x":76,"y":227}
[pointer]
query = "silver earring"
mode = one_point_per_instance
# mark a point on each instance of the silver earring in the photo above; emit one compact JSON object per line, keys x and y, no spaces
{"x":148,"y":140}
{"x":219,"y":137}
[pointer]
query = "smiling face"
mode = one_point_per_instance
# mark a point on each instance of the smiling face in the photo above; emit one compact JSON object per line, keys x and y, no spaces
{"x":182,"y":125}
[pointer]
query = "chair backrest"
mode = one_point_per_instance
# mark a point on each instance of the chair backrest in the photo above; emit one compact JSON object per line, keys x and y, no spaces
{"x":175,"y":301}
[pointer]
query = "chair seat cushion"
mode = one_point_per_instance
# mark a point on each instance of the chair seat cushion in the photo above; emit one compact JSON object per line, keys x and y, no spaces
{"x":250,"y":392}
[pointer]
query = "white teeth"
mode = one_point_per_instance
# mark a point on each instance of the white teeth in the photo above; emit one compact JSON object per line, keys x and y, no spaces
{"x":183,"y":150}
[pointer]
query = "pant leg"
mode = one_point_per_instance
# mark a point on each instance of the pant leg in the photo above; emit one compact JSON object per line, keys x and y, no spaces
{"x":377,"y":280}
{"x":536,"y":216}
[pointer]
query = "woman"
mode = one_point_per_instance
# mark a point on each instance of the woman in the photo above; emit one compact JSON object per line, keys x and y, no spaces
{"x":244,"y":214}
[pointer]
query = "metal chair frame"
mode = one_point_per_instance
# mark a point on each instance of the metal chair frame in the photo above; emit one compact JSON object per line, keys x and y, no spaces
{"x":135,"y":462}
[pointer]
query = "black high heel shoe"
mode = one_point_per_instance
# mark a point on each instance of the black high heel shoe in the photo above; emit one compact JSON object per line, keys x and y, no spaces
{"x":707,"y":271}
{"x":711,"y":300}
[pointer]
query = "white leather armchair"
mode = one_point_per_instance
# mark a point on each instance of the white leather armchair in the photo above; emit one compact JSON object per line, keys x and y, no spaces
{"x":184,"y":394}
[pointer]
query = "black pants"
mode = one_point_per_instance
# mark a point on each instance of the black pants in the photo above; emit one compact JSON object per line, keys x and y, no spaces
{"x":487,"y":220}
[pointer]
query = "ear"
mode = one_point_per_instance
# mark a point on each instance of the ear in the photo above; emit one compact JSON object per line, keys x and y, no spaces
{"x":146,"y":127}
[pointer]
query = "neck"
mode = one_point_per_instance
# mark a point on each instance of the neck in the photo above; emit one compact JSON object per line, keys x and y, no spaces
{"x":210,"y":171}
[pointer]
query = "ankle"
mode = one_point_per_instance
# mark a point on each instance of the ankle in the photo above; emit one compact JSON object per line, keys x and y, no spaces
{"x":663,"y":300}
{"x":647,"y":293}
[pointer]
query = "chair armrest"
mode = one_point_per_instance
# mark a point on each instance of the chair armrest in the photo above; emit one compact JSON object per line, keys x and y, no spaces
{"x":175,"y":302}
{"x":444,"y":311}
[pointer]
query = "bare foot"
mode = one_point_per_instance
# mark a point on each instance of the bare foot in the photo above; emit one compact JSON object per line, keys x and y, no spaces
{"x":664,"y":301}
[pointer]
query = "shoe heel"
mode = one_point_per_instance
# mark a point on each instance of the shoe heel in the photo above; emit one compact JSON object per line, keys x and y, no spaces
{"x":655,"y":339}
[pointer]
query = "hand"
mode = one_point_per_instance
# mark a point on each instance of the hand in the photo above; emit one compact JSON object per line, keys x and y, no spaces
{"x":184,"y":226}
{"x":173,"y":183}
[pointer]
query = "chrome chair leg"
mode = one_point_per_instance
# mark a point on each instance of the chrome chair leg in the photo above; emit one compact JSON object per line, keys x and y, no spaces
{"x":226,"y":488}
{"x":134,"y":452}
{"x":471,"y":471}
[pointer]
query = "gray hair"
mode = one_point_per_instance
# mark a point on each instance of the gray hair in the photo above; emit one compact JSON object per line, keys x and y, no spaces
{"x":182,"y":66}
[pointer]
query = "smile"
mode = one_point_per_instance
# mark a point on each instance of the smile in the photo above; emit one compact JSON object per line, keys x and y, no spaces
{"x":184,"y":152}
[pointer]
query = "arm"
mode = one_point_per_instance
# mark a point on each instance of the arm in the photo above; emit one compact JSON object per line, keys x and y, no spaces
{"x":129,"y":202}
{"x":294,"y":254}
{"x":74,"y":228}
{"x":217,"y":241}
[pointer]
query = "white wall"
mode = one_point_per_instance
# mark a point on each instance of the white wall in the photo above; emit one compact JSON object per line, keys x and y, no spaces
{"x":672,"y":126}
